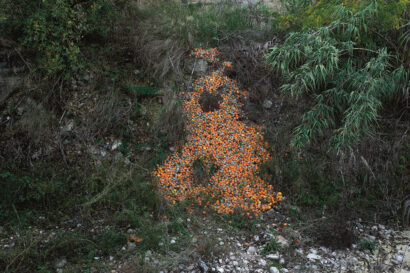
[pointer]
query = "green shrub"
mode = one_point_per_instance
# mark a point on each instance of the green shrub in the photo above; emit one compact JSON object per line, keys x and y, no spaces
{"x":55,"y":29}
{"x":347,"y":70}
{"x":366,"y":244}
{"x":21,"y":194}
{"x":206,"y":24}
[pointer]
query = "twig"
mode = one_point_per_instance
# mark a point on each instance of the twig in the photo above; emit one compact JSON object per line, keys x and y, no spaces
{"x":15,"y":211}
{"x":21,"y":56}
{"x":367,"y":165}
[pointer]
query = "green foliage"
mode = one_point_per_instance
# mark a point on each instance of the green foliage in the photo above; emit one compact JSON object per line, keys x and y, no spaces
{"x":110,"y":240}
{"x":54,"y":30}
{"x":205,"y":24}
{"x":294,"y":6}
{"x":346,"y":70}
{"x":272,"y":246}
{"x":21,"y":194}
{"x":366,"y":244}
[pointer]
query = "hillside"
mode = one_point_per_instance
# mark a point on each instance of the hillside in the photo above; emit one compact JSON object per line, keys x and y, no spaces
{"x":204,"y":136}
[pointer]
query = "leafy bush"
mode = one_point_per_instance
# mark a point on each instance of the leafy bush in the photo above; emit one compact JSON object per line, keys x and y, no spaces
{"x":348,"y":70}
{"x":21,"y":194}
{"x":54,"y":29}
{"x":208,"y":24}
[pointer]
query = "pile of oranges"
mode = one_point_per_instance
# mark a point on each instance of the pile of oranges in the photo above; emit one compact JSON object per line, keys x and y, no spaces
{"x":223,"y":139}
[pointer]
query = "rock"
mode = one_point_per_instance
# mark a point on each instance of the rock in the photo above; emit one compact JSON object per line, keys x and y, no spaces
{"x":371,"y":238}
{"x":282,"y":241}
{"x":201,"y":66}
{"x":181,"y":266}
{"x":130,"y":231}
{"x":262,"y":262}
{"x":273,"y":269}
{"x":115,"y":145}
{"x":256,"y":238}
{"x":267,"y":104}
{"x":61,"y":263}
{"x":282,"y":261}
{"x":220,"y":269}
{"x":251,"y":250}
{"x":313,"y":256}
{"x":274,"y":256}
{"x":131,"y":245}
{"x":69,"y":126}
{"x":399,"y":258}
{"x":203,"y":267}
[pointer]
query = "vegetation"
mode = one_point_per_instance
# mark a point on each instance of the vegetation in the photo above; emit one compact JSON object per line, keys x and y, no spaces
{"x":347,"y":69}
{"x":100,"y":96}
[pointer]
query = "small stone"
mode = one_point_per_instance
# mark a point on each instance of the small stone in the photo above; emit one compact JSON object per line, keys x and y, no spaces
{"x":281,"y":240}
{"x":282,"y":261}
{"x":399,"y":258}
{"x":69,"y":126}
{"x":274,"y":256}
{"x":111,"y":258}
{"x":220,"y":269}
{"x":371,"y":237}
{"x":235,"y":263}
{"x":221,"y":243}
{"x":173,"y":241}
{"x":251,"y":250}
{"x":267,"y":104}
{"x":313,"y":256}
{"x":262,"y":262}
{"x":131,"y":245}
{"x":273,"y":269}
{"x":61,"y":263}
{"x":130,"y":231}
{"x":115,"y":145}
{"x":181,"y":266}
{"x":256,"y":238}
{"x":203,"y":267}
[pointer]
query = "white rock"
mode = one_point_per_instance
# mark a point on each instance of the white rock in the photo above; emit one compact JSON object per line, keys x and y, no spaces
{"x":235,"y":263}
{"x":313,"y":256}
{"x":220,"y":269}
{"x":273,"y":269}
{"x":131,"y":245}
{"x":115,"y":145}
{"x":251,"y":250}
{"x":282,"y":261}
{"x":173,"y":241}
{"x":281,"y":240}
{"x":399,"y":258}
{"x":267,"y":104}
{"x":256,"y":238}
{"x":262,"y":262}
{"x":274,"y":256}
{"x":61,"y":263}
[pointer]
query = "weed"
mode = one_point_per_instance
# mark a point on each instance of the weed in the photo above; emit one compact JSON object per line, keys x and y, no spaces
{"x":365,"y":244}
{"x":272,"y":246}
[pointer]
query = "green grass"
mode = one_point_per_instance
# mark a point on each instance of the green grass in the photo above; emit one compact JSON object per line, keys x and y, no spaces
{"x":207,"y":25}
